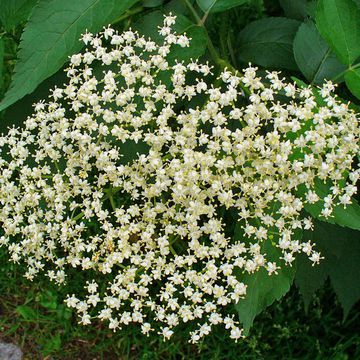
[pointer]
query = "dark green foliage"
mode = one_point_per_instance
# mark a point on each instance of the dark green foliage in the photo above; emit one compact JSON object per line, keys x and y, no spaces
{"x":313,"y":56}
{"x":219,"y":5}
{"x":348,"y":217}
{"x":282,"y":331}
{"x":294,"y":9}
{"x":2,"y":46}
{"x":148,"y":26}
{"x":263,"y":289}
{"x":268,"y":42}
{"x":341,"y":250}
{"x":152,"y":3}
{"x":14,"y":12}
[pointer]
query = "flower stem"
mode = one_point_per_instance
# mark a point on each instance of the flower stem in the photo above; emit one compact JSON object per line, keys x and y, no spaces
{"x":222,"y":63}
{"x":337,"y":77}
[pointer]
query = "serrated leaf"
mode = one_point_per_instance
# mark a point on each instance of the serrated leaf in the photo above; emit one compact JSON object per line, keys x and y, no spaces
{"x":16,"y":113}
{"x":269,"y":42}
{"x":313,"y":56}
{"x":263,"y":289}
{"x":294,"y":9}
{"x":214,"y":6}
{"x":347,"y":217}
{"x":352,"y":79}
{"x":14,"y":12}
{"x":52,"y":34}
{"x":341,"y":251}
{"x":338,"y":22}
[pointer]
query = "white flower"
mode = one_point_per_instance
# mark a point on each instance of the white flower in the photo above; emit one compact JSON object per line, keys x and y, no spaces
{"x":151,"y":227}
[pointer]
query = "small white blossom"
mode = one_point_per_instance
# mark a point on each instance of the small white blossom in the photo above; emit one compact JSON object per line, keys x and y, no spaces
{"x":151,"y":228}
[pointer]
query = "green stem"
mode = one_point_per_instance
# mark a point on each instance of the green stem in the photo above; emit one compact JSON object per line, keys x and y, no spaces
{"x":110,"y":196}
{"x":224,"y":31}
{"x":231,"y":50}
{"x":105,"y":197}
{"x":193,"y":11}
{"x":222,"y":63}
{"x":57,"y":167}
{"x":356,"y":66}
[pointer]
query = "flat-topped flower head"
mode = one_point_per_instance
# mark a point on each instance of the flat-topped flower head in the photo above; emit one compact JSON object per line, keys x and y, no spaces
{"x":166,"y":230}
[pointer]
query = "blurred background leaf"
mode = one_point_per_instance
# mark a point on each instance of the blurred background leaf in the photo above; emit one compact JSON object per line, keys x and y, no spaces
{"x":14,"y":12}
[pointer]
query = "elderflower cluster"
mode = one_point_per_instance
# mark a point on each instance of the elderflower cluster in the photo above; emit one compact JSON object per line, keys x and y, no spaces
{"x":153,"y":227}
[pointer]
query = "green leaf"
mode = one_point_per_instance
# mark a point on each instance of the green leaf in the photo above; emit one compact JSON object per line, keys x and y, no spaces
{"x":352,"y":79}
{"x":341,"y":251}
{"x":269,"y":42}
{"x":16,"y":113}
{"x":53,"y":344}
{"x":258,"y":5}
{"x":308,"y":278}
{"x":52,"y":34}
{"x":63,"y":312}
{"x":48,"y":300}
{"x":148,"y":25}
{"x":152,"y":3}
{"x":338,"y":22}
{"x":215,"y":6}
{"x":347,"y":217}
{"x":263,"y":289}
{"x":294,"y":9}
{"x":311,"y":9}
{"x":313,"y":56}
{"x":197,"y":47}
{"x":176,"y":7}
{"x":1,"y":62}
{"x":130,"y":150}
{"x":27,"y":313}
{"x":14,"y":12}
